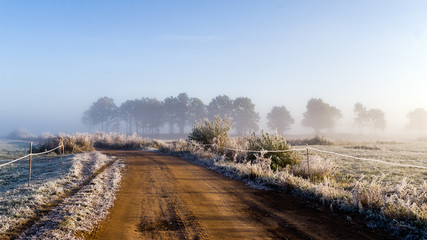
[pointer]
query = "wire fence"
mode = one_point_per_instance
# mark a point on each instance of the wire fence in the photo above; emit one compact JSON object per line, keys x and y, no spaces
{"x":31,"y":155}
{"x":367,"y":159}
{"x":308,"y":148}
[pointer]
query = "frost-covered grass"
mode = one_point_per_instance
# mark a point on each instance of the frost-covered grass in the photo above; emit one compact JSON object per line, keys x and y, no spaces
{"x":121,"y":141}
{"x":400,"y":206}
{"x":58,"y":190}
{"x":414,"y":153}
{"x":84,"y":142}
{"x":10,"y":149}
{"x":388,"y":196}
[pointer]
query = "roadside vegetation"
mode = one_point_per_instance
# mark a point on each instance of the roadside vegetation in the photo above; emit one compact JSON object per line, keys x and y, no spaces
{"x":399,"y":205}
{"x":61,"y":200}
{"x":389,"y":197}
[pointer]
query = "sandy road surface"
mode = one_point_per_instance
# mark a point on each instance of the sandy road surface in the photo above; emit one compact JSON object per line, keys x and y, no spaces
{"x":165,"y":197}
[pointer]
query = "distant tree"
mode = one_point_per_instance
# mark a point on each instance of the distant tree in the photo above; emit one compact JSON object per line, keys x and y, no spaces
{"x":335,"y":116}
{"x":176,"y":109}
{"x":361,"y":118}
{"x":170,"y":113}
{"x":196,"y":111}
{"x":417,"y":120}
{"x":320,"y":115}
{"x":221,"y":106}
{"x":102,"y":112}
{"x":127,"y":114}
{"x":140,"y":115}
{"x":377,"y":118}
{"x":372,"y":118}
{"x":279,"y":119}
{"x":156,"y":115}
{"x":244,"y":117}
{"x":181,"y":109}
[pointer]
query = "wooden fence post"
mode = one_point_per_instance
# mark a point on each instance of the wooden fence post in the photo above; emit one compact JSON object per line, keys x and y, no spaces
{"x":63,"y":148}
{"x":308,"y":162}
{"x":60,"y":150}
{"x":30,"y":158}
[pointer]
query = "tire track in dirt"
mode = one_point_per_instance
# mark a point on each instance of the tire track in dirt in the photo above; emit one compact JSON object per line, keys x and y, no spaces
{"x":165,"y":197}
{"x":174,"y":214}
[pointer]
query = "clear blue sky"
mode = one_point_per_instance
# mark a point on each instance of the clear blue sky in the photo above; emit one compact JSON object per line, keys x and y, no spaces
{"x":57,"y":57}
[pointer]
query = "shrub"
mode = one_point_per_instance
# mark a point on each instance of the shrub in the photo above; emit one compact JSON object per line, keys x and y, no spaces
{"x":317,"y":168}
{"x":236,"y":149}
{"x":76,"y":143}
{"x":273,"y":143}
{"x":207,"y":132}
{"x":120,"y":141}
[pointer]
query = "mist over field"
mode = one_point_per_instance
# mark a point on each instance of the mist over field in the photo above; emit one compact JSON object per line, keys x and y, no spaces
{"x":58,"y":59}
{"x":71,"y":119}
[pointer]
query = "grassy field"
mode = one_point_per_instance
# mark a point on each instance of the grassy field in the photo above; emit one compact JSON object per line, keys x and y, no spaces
{"x":13,"y":148}
{"x":348,"y":170}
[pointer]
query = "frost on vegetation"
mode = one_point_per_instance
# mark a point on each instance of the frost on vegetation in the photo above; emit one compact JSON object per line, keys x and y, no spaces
{"x":84,"y":142}
{"x":80,"y":212}
{"x":402,"y":207}
{"x":121,"y":141}
{"x":207,"y":132}
{"x":18,"y":202}
{"x":316,"y":167}
{"x":75,"y":143}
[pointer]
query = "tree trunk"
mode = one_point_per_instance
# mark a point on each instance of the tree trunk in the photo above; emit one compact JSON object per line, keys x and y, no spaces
{"x":317,"y":131}
{"x":171,"y":126}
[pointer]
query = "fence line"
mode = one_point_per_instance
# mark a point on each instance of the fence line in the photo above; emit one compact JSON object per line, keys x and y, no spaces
{"x":322,"y":151}
{"x":368,"y":159}
{"x":264,"y":151}
{"x":5,"y":164}
{"x":31,"y":154}
{"x":255,"y":151}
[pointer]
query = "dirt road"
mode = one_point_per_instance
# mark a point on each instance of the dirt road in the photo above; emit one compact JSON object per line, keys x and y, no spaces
{"x":165,"y":197}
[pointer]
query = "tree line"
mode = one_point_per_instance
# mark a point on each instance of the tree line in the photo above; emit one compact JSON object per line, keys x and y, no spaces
{"x":148,"y":116}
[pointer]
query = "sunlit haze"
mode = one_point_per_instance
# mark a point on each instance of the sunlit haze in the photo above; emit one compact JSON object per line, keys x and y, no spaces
{"x":58,"y":57}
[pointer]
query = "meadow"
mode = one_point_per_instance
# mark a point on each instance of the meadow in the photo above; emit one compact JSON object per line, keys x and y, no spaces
{"x":348,"y":170}
{"x":13,"y":148}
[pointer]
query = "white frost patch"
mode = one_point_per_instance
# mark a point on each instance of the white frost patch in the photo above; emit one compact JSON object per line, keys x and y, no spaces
{"x":78,"y":212}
